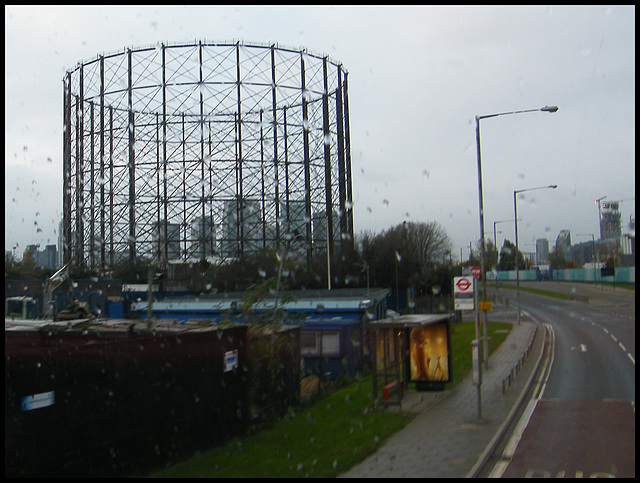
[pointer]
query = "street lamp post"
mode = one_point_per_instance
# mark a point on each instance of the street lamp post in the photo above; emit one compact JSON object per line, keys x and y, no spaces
{"x":481,"y":208}
{"x":515,"y":217}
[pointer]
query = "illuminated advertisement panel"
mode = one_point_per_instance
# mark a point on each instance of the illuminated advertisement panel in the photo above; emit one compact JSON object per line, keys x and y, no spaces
{"x":429,"y":353}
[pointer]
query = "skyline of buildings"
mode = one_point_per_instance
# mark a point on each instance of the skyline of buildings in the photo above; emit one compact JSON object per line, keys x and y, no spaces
{"x":578,"y":252}
{"x":254,"y":236}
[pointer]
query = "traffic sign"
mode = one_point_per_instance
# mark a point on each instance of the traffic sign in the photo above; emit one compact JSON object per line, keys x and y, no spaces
{"x":463,"y":293}
{"x":461,"y":303}
{"x":463,"y":285}
{"x":476,"y":271}
{"x":484,"y":305}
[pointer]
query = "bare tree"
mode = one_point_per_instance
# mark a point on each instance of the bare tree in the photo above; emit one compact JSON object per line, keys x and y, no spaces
{"x":428,"y":241}
{"x":416,"y":248}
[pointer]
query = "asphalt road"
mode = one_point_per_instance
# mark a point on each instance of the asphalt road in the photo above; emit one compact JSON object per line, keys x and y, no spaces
{"x":582,"y":422}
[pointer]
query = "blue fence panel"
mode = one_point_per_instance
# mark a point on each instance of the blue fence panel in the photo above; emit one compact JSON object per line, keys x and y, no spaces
{"x":622,"y":275}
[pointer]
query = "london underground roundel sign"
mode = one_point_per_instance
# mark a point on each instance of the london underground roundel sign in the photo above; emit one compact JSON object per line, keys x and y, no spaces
{"x":463,"y":285}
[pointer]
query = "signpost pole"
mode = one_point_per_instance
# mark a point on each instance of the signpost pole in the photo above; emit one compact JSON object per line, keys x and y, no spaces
{"x":476,"y":360}
{"x":466,"y":291}
{"x":476,"y":308}
{"x":477,"y":350}
{"x":485,"y":352}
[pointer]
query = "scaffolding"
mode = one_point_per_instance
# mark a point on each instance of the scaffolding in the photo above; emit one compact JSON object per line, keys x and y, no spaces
{"x":201,"y":150}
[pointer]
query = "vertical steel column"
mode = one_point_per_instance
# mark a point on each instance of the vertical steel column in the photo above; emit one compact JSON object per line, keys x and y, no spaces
{"x":102,"y":179}
{"x":286,"y":171}
{"x":156,"y":229}
{"x":275,"y":144}
{"x":342,"y":191}
{"x":262,"y":194}
{"x":111,"y":251}
{"x":202,"y":235}
{"x":184,"y":192}
{"x":237,"y":188}
{"x":76,"y":244}
{"x":239,"y":181}
{"x":307,"y":161}
{"x":164,"y":158}
{"x":327,"y":158}
{"x":347,"y":138}
{"x":66,"y":170}
{"x":92,"y":192}
{"x":132,"y":172}
{"x":210,"y":196}
{"x":80,"y":173}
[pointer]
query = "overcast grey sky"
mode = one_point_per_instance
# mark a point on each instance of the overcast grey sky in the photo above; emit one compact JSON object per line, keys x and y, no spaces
{"x":418,"y":76}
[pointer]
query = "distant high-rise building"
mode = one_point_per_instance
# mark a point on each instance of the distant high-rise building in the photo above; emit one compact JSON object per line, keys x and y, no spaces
{"x":60,"y":244}
{"x":31,"y":252}
{"x":542,"y":250}
{"x":48,"y":258}
{"x":610,"y":225}
{"x":167,"y":246}
{"x":241,"y":228}
{"x":628,"y":244}
{"x":293,"y":222}
{"x":203,"y":237}
{"x":320,"y":223}
{"x":564,"y":240}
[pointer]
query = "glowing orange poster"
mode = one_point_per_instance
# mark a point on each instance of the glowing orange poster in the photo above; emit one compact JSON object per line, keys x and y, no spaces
{"x":429,"y":353}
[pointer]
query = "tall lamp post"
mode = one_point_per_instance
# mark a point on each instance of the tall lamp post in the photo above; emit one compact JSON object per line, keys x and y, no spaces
{"x":481,"y":208}
{"x":515,"y":217}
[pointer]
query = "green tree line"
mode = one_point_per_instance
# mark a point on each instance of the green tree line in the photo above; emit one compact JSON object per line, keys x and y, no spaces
{"x":409,"y":254}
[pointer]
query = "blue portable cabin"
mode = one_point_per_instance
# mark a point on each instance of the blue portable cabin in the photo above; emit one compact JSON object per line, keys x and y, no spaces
{"x":335,"y":339}
{"x":334,"y":323}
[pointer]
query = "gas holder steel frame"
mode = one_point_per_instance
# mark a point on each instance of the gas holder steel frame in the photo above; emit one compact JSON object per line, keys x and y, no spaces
{"x":205,"y":150}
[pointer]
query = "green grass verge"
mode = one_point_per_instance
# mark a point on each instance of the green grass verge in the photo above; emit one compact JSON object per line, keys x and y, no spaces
{"x":547,"y":293}
{"x":537,"y":291}
{"x":328,"y":437}
{"x":462,"y":335}
{"x":563,"y":296}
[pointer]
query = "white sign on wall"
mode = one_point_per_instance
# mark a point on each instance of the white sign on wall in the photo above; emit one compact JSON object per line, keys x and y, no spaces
{"x":37,"y":401}
{"x":230,"y":360}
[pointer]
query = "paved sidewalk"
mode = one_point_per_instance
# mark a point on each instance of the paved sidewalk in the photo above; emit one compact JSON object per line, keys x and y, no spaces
{"x":447,"y":439}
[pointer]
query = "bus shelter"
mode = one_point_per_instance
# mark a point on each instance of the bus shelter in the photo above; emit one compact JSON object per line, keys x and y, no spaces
{"x":411,"y":348}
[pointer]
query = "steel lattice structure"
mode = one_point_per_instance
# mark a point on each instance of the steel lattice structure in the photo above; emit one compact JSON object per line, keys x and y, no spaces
{"x":191,"y":151}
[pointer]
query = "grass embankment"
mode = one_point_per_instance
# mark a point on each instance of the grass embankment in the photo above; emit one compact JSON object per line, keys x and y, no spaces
{"x":565,"y":296}
{"x":548,"y":293}
{"x":327,"y":437}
